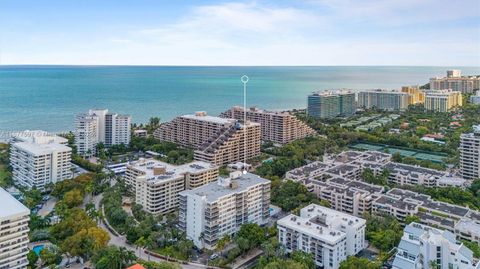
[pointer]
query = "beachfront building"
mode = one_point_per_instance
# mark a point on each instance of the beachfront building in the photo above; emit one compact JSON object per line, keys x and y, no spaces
{"x":470,"y":154}
{"x":416,"y":96}
{"x":216,"y":140}
{"x":100,"y":126}
{"x":329,"y":235}
{"x":156,"y":184}
{"x":329,"y":104}
{"x":40,"y":160}
{"x":423,"y":246}
{"x":277,"y":127}
{"x":217,"y":209}
{"x":455,"y":81}
{"x":384,"y":100}
{"x":442,"y":100}
{"x":14,"y":217}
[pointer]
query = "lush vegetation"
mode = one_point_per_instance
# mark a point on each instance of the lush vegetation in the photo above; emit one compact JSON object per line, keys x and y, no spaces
{"x":369,"y":177}
{"x":353,"y":262}
{"x":290,"y":195}
{"x":5,"y":174}
{"x":149,"y":232}
{"x":113,"y":257}
{"x":293,"y":155}
{"x":383,"y":232}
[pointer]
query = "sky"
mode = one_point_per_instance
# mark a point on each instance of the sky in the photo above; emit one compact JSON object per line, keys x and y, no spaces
{"x":208,"y":32}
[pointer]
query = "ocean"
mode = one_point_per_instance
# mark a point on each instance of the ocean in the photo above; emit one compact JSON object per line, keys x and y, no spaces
{"x":48,"y":97}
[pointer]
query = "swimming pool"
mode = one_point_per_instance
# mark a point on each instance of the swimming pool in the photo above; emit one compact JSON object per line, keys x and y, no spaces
{"x":37,"y":249}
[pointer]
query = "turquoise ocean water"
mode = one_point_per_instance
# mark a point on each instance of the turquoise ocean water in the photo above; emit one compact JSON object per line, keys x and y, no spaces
{"x":48,"y":97}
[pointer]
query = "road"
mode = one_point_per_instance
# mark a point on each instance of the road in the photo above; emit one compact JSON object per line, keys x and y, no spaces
{"x":48,"y":207}
{"x":120,"y":241}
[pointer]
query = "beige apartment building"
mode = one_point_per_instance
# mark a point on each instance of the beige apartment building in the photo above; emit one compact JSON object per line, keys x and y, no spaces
{"x":416,"y":96}
{"x":455,"y":81}
{"x":216,"y":140}
{"x":156,"y":184}
{"x":442,"y":100}
{"x":277,"y":127}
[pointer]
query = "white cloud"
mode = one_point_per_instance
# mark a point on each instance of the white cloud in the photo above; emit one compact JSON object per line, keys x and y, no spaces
{"x":261,"y":34}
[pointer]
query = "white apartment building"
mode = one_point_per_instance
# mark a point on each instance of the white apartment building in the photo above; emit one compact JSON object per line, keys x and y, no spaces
{"x":98,"y":125}
{"x":40,"y":161}
{"x":156,"y":184}
{"x":219,"y":208}
{"x":421,"y":246}
{"x":470,"y":154}
{"x":14,"y":217}
{"x":329,"y":235}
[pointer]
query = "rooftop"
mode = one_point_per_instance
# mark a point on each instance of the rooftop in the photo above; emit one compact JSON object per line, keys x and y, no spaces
{"x":202,"y":116}
{"x":311,"y":228}
{"x":236,"y":183}
{"x":10,"y":206}
{"x":169,"y":171}
{"x":41,"y":149}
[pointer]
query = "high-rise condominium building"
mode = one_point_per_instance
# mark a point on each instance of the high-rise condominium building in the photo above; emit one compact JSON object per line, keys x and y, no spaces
{"x":14,"y":218}
{"x":329,"y":235}
{"x":39,"y":161}
{"x":470,"y":154}
{"x":416,"y":96}
{"x":442,"y":100}
{"x":214,"y":210}
{"x":423,"y":246}
{"x":330,"y":104}
{"x":384,"y":100}
{"x":156,"y":184}
{"x":278,"y":127}
{"x":216,"y":140}
{"x":454,"y":81}
{"x":98,"y":125}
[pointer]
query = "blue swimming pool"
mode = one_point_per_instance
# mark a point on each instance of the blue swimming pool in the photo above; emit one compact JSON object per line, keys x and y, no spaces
{"x":37,"y":249}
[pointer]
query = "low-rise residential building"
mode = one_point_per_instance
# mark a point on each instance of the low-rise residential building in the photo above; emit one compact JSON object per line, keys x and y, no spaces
{"x":442,"y":100}
{"x":216,"y":140}
{"x":352,"y":197}
{"x":470,"y":154}
{"x":384,"y":100}
{"x":14,"y":217}
{"x":329,"y":235}
{"x":423,"y":246}
{"x":455,"y":81}
{"x":329,"y":104}
{"x":404,"y":174}
{"x":351,"y":164}
{"x":462,"y":221}
{"x":277,"y":126}
{"x":210,"y":212}
{"x":156,"y":184}
{"x":39,"y":161}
